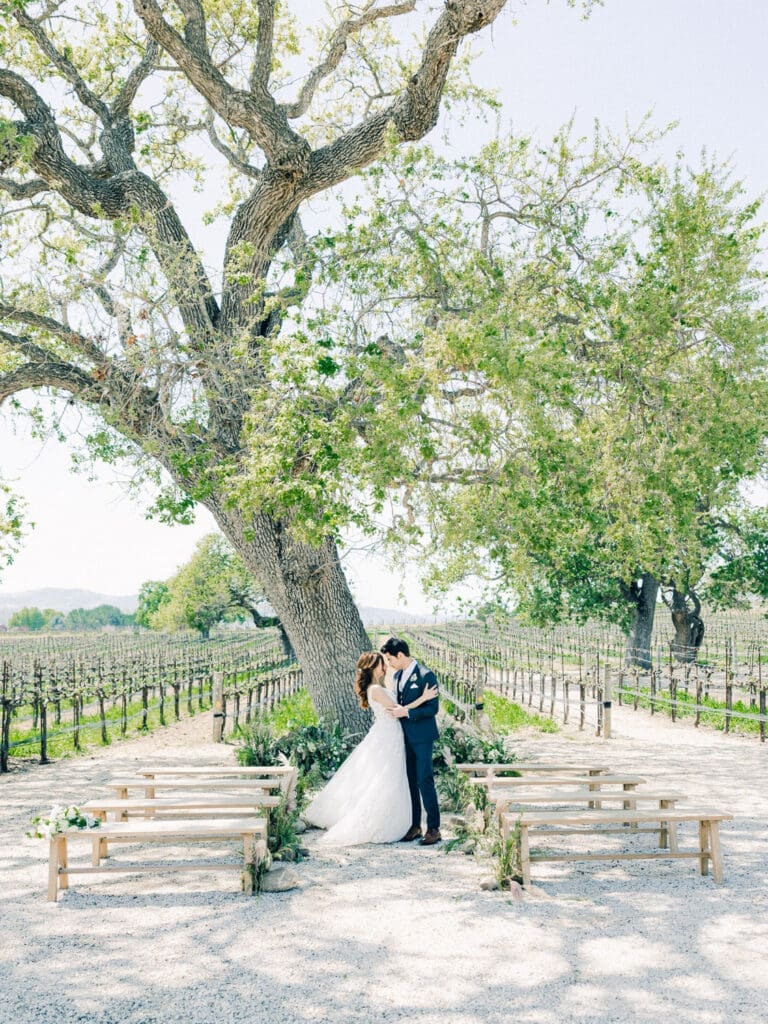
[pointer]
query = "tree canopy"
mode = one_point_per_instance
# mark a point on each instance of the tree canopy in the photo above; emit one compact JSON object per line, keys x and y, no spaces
{"x":214,"y":586}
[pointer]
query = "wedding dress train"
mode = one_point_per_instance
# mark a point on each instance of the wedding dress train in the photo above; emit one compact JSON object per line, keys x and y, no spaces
{"x":367,"y":800}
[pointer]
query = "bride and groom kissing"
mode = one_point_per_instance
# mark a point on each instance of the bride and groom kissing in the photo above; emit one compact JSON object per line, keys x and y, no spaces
{"x":376,"y":795}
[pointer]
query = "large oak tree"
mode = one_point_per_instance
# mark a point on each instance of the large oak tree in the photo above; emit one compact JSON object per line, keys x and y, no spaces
{"x":108,"y":114}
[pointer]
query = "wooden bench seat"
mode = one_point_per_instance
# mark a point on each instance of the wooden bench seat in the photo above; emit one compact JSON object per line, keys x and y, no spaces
{"x":596,"y":821}
{"x":590,"y":782}
{"x":188,"y":807}
{"x":504,"y":800}
{"x":251,"y":832}
{"x":286,"y":774}
{"x":121,"y":786}
{"x":258,"y":771}
{"x":480,"y":769}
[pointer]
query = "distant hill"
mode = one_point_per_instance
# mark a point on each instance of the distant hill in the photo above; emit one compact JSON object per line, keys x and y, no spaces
{"x":62,"y":599}
{"x":391,"y":616}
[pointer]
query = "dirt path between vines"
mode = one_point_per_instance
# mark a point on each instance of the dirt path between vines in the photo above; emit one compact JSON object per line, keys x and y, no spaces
{"x":397,"y":933}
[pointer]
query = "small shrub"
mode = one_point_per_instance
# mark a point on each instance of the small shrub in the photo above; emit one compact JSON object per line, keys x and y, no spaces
{"x":457,"y":745}
{"x":282,"y":841}
{"x":256,"y":744}
{"x":321,"y":747}
{"x":509,"y":866}
{"x":454,"y":789}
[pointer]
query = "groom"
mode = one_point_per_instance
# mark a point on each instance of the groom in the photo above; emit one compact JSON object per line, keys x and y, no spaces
{"x":420,"y":730}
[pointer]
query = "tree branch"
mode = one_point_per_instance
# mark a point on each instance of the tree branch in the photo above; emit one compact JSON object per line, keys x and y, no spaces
{"x":143,"y":69}
{"x":72,"y":338}
{"x":416,"y":109}
{"x":229,"y":155}
{"x":24,"y":189}
{"x":118,"y":196}
{"x":337,"y":48}
{"x":65,"y":67}
{"x":262,"y":66}
{"x":255,"y":111}
{"x":47,"y":373}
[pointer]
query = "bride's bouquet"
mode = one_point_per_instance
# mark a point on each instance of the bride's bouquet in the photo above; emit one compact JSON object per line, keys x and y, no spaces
{"x":58,"y":820}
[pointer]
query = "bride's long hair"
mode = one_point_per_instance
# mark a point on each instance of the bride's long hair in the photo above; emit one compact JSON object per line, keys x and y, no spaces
{"x":368,"y":665}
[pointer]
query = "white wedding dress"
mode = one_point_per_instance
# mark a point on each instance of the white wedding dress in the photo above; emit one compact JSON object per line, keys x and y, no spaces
{"x":367,"y":800}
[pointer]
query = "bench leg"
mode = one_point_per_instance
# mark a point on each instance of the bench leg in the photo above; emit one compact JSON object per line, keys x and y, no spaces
{"x":704,"y":847}
{"x":664,"y":829}
{"x":63,"y":876}
{"x":53,"y":870}
{"x":525,"y":855}
{"x":715,"y":851}
{"x":95,"y":852}
{"x":103,"y":851}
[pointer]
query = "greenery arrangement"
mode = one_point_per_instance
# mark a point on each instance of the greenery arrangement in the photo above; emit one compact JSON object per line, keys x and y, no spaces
{"x":457,"y":743}
{"x":58,"y":820}
{"x":293,"y":732}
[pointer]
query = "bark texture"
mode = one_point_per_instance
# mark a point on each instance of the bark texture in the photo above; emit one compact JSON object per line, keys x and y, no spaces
{"x":643,"y":594}
{"x":689,"y":626}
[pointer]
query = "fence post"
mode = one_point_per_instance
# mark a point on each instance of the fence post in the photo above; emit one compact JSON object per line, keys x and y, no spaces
{"x":218,"y":706}
{"x":607,"y":702}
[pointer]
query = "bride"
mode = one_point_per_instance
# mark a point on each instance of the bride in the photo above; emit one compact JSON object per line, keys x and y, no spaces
{"x":368,"y":800}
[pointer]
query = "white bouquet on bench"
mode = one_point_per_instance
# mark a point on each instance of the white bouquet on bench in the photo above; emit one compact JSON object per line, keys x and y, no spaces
{"x":59,"y":820}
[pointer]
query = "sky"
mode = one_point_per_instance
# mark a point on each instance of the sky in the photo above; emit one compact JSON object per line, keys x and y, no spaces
{"x":698,"y":62}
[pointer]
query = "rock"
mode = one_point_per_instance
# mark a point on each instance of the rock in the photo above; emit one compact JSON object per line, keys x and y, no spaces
{"x":515,"y":890}
{"x":303,"y":851}
{"x":469,"y":846}
{"x":489,"y":883}
{"x":280,"y":878}
{"x":454,"y":821}
{"x":300,"y":827}
{"x":286,"y":854}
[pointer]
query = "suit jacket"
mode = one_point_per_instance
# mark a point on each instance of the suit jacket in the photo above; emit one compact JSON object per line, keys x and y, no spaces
{"x":420,"y":725}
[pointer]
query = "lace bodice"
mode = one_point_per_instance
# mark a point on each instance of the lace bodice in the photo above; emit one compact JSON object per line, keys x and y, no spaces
{"x":379,"y":710}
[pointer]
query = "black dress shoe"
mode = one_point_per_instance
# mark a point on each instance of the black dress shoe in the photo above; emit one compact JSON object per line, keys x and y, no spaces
{"x":413,"y":833}
{"x":433,"y":836}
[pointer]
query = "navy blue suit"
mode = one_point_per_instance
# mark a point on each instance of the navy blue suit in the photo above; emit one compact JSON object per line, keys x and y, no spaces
{"x":420,"y":732}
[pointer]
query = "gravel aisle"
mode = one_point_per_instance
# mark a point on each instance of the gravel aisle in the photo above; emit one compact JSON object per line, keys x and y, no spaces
{"x":393,"y":933}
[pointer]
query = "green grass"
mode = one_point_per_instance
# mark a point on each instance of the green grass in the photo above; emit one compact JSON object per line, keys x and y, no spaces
{"x":506,"y":717}
{"x":686,"y":702}
{"x":291,"y":713}
{"x":62,"y":745}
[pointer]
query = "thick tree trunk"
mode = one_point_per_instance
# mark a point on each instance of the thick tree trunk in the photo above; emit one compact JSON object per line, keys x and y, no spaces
{"x":643,"y":595}
{"x":308,"y":590}
{"x":689,"y":627}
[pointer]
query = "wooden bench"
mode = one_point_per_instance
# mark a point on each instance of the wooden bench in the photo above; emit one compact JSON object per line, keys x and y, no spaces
{"x":286,"y":773}
{"x":479,"y":769}
{"x":189,"y":807}
{"x":251,"y":831}
{"x":597,"y":821}
{"x":121,"y":786}
{"x":592,"y":783}
{"x":257,"y":771}
{"x":504,"y":800}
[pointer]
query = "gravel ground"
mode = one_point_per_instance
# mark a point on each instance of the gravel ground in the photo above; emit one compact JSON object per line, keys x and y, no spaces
{"x":397,"y":933}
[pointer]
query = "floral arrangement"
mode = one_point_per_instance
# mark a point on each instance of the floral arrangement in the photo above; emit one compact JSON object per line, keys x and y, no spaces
{"x":59,"y":819}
